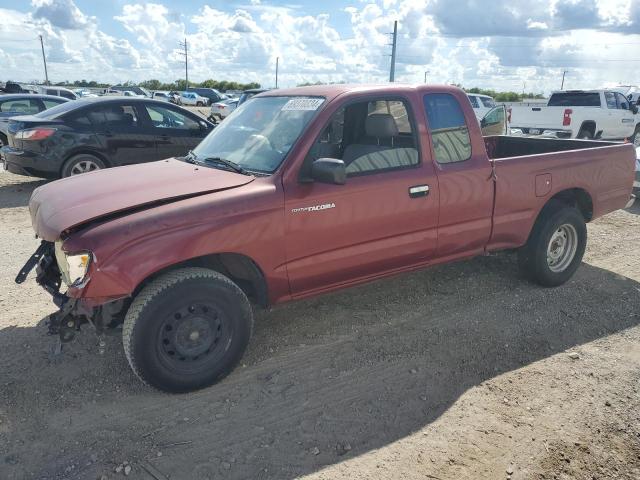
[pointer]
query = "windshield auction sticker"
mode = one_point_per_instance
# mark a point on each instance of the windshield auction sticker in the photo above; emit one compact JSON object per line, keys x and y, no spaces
{"x":303,"y":104}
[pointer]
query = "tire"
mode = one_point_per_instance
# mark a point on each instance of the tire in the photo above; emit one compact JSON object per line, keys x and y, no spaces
{"x":635,"y":139}
{"x":198,"y":104}
{"x":560,"y":226}
{"x":81,"y":163}
{"x":585,"y":134}
{"x":3,"y":140}
{"x":187,"y":330}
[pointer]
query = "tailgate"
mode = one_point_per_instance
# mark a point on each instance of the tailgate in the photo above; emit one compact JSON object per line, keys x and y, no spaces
{"x":541,"y":117}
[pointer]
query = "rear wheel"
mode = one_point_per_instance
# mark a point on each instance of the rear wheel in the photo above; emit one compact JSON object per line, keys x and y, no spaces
{"x":187,"y":329}
{"x":555,"y":247}
{"x":635,"y":139}
{"x":585,"y":134}
{"x":82,"y":163}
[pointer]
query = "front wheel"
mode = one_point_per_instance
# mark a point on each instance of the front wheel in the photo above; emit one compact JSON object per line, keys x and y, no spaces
{"x":555,"y":247}
{"x":187,"y":329}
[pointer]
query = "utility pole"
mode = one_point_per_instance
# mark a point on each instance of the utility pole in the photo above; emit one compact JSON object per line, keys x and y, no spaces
{"x":44,"y":60}
{"x":562,"y":85}
{"x":277,"y":64}
{"x":425,"y":76}
{"x":392,"y":73}
{"x":186,"y":63}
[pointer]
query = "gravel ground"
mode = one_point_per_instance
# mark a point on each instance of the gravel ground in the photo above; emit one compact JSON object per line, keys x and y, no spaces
{"x":463,"y":371}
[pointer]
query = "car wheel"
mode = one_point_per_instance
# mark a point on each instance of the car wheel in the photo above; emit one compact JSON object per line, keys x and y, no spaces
{"x":198,"y":104}
{"x":635,"y":139}
{"x":82,"y":163}
{"x":187,"y":329}
{"x":585,"y":135}
{"x":3,"y":140}
{"x":555,"y":247}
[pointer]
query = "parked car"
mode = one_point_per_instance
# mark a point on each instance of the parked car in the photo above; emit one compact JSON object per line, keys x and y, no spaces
{"x":12,"y":105}
{"x":192,"y":99}
{"x":636,"y":183}
{"x":303,"y":191}
{"x":164,"y":96}
{"x":57,"y":92}
{"x":143,"y":92}
{"x":211,"y":94}
{"x":84,"y":93}
{"x":587,"y":114}
{"x":95,"y":133}
{"x":247,"y":94}
{"x":481,"y":104}
{"x":222,"y":109}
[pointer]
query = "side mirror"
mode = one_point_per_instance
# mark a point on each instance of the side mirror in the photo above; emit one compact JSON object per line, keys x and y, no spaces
{"x":203,"y":125}
{"x":634,"y":109}
{"x":329,"y":170}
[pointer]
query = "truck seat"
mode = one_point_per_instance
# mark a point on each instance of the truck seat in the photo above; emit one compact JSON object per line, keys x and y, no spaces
{"x":381,"y":148}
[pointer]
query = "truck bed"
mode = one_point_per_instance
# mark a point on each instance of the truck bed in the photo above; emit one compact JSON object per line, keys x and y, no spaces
{"x":530,"y":171}
{"x":512,"y":146}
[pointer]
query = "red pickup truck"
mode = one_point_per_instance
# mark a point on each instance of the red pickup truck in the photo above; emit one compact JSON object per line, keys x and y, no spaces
{"x":301,"y":192}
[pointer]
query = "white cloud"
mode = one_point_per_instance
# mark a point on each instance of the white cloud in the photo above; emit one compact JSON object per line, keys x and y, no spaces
{"x":470,"y":42}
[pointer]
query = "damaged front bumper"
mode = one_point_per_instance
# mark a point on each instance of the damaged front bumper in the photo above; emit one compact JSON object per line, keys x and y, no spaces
{"x":73,"y":312}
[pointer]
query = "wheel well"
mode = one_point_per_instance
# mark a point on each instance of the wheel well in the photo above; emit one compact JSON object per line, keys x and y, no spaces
{"x":4,"y":138}
{"x":241,"y":269}
{"x":588,"y":125}
{"x":575,"y":197}
{"x":85,"y":152}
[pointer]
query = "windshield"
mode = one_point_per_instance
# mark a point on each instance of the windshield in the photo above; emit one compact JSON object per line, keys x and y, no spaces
{"x":260,"y":133}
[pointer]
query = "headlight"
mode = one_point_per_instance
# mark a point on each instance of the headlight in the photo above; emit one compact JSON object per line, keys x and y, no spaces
{"x":72,"y":267}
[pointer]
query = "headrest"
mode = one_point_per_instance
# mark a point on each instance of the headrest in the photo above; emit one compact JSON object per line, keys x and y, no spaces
{"x":381,"y":125}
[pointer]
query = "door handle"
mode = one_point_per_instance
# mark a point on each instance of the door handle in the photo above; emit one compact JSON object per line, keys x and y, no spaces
{"x":419,"y":191}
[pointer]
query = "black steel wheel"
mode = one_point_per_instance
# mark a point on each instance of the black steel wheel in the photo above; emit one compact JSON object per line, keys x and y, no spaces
{"x":187,"y":329}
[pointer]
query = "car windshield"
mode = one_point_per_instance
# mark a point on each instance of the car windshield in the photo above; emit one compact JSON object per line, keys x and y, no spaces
{"x":260,"y":133}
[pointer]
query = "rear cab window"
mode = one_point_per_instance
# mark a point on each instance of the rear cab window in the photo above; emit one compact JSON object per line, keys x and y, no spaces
{"x":574,"y":99}
{"x":448,"y":127}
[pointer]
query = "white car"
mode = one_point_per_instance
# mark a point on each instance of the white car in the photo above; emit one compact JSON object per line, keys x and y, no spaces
{"x":221,"y":110}
{"x":192,"y":98}
{"x":587,"y":114}
{"x":481,"y":104}
{"x":164,"y":96}
{"x":57,"y":92}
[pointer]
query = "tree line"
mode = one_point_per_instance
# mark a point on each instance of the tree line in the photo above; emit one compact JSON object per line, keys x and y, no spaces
{"x":178,"y":85}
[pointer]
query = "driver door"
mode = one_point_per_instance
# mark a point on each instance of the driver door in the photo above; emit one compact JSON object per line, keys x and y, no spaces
{"x":175,"y":132}
{"x":495,"y":122}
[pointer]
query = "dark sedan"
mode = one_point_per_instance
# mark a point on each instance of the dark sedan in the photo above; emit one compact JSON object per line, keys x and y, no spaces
{"x":95,"y":133}
{"x":23,"y":104}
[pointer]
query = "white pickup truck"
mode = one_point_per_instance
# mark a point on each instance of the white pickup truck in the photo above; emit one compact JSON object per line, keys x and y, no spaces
{"x":590,"y":114}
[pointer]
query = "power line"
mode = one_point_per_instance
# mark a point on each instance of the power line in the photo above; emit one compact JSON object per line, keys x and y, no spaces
{"x":392,"y":72}
{"x":44,"y":60}
{"x":186,"y":62}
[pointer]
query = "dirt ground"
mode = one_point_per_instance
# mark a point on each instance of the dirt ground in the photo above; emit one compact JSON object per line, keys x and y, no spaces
{"x":463,"y":371}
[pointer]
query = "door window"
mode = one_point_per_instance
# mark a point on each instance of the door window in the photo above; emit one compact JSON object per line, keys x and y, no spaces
{"x":623,"y":103}
{"x":449,"y":131}
{"x":162,"y":117}
{"x":474,"y":101}
{"x":611,"y":100}
{"x":26,"y":106}
{"x":116,"y":117}
{"x":370,"y":137}
{"x":49,"y":103}
{"x":488,"y":102}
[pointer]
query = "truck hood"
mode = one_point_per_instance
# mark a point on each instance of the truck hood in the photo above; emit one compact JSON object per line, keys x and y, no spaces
{"x":73,"y":201}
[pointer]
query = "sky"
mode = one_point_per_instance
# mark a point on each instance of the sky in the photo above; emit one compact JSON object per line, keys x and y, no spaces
{"x":504,"y":45}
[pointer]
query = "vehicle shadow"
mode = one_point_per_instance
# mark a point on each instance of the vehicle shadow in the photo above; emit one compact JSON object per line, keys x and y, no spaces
{"x":324,"y":379}
{"x":17,"y":193}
